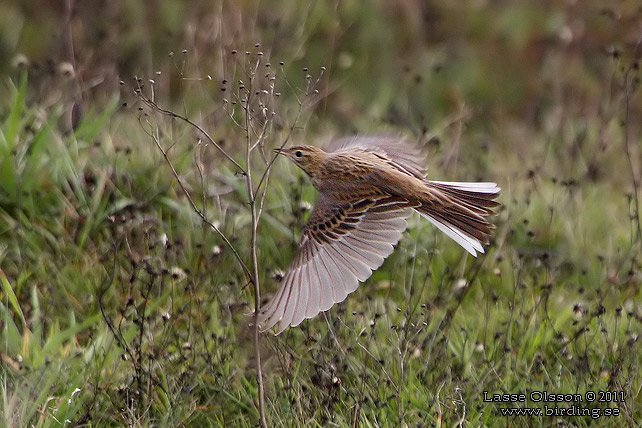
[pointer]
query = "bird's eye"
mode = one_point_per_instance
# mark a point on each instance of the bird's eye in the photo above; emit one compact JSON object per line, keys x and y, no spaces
{"x":298,"y":154}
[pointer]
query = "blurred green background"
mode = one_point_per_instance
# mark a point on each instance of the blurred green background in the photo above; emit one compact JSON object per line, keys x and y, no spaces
{"x":409,"y":61}
{"x":119,"y":307}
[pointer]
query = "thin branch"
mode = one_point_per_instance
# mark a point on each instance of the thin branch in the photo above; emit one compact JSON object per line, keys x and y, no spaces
{"x":257,"y":126}
{"x":197,"y":163}
{"x":255,"y":263}
{"x":170,"y":113}
{"x":383,"y":369}
{"x":285,"y":141}
{"x":628,"y":89}
{"x":101,"y":294}
{"x":230,"y":115}
{"x":156,"y":140}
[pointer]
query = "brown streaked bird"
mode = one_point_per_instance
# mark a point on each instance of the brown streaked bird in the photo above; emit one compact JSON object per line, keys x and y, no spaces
{"x":367,"y":186}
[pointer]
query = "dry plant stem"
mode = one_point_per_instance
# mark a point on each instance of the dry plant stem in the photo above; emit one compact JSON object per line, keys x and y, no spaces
{"x":200,"y":213}
{"x":255,"y":138}
{"x":628,"y":89}
{"x":255,"y":262}
{"x":265,"y":177}
{"x":257,"y":304}
{"x":383,"y":369}
{"x":252,"y":276}
{"x":461,"y":401}
{"x":439,"y":412}
{"x":254,"y":219}
{"x":150,"y":103}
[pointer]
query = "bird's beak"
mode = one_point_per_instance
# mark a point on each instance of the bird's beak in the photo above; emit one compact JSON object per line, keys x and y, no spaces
{"x":278,"y":151}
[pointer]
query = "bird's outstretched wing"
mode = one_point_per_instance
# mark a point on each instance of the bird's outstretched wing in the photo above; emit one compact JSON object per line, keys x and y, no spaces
{"x":342,"y":243}
{"x":406,"y":157}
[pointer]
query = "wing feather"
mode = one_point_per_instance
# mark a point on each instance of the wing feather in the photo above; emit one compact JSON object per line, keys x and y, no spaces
{"x":318,"y":277}
{"x":291,"y":302}
{"x":332,"y":260}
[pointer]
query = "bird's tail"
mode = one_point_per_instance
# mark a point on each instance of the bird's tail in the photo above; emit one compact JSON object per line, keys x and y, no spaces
{"x":460,"y":211}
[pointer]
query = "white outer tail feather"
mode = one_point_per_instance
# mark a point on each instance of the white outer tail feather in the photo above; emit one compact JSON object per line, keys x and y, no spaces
{"x":468,"y":243}
{"x":484,"y":187}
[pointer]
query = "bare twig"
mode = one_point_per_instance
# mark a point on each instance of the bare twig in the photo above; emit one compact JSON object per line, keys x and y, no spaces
{"x":256,"y":123}
{"x":255,"y":262}
{"x":383,"y":369}
{"x":268,"y":167}
{"x":101,"y":294}
{"x":151,"y":104}
{"x":199,"y":212}
{"x":628,"y":93}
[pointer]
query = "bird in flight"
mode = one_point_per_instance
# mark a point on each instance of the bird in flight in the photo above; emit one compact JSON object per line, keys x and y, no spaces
{"x":367,"y":187}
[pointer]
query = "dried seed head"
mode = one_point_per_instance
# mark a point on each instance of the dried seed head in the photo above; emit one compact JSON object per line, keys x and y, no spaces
{"x":177,"y":273}
{"x":277,"y":275}
{"x":20,"y":61}
{"x":305,"y":206}
{"x":66,"y":69}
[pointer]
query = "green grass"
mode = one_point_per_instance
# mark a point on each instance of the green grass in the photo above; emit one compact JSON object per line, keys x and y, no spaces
{"x":120,"y":307}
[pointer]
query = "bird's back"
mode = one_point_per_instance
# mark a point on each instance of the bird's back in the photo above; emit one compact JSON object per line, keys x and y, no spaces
{"x":354,"y":173}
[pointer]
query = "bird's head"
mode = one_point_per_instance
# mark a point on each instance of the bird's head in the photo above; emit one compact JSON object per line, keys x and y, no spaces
{"x":308,"y":158}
